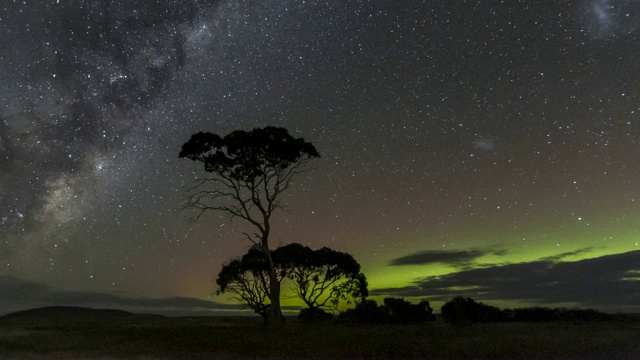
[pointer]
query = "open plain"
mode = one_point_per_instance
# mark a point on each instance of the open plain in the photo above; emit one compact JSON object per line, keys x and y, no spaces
{"x":118,"y":335}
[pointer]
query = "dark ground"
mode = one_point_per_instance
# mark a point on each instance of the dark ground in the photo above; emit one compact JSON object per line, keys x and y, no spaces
{"x":89,"y":334}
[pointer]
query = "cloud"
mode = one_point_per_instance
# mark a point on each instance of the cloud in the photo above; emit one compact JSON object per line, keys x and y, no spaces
{"x":21,"y":294}
{"x":562,"y":256}
{"x":453,"y":257}
{"x":608,"y":282}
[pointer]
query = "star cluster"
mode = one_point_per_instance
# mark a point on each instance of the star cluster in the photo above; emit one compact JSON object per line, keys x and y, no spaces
{"x":466,"y":136}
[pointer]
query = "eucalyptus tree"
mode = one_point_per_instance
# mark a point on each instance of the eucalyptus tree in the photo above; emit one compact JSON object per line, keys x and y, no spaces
{"x":246,"y":172}
{"x":320,"y":278}
{"x":324,"y":277}
{"x":247,"y":280}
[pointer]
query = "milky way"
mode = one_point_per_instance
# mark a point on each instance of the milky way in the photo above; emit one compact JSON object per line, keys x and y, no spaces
{"x":82,"y":81}
{"x":474,"y":135}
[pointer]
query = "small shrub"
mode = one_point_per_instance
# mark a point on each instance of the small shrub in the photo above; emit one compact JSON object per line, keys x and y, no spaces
{"x":394,"y":310}
{"x":366,"y":311}
{"x":312,"y":315}
{"x":461,"y":310}
{"x":402,"y":311}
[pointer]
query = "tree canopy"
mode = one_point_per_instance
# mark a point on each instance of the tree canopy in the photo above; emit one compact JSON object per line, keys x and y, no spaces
{"x":247,"y":279}
{"x":393,"y":311}
{"x":460,"y":310}
{"x":321,"y":278}
{"x":248,"y":155}
{"x":249,"y":169}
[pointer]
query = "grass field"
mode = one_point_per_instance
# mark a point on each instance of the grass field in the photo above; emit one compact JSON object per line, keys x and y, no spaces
{"x":151,"y":337}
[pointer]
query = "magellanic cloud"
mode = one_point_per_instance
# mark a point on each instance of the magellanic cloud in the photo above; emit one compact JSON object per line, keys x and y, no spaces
{"x":608,"y":282}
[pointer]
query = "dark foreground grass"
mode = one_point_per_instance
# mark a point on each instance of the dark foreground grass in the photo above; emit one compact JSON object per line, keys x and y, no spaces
{"x":231,"y":338}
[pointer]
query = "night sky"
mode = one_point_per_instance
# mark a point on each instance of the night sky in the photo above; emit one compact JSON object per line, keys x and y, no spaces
{"x":480,"y":148}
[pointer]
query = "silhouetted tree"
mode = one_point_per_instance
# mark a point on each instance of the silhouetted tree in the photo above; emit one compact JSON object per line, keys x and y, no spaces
{"x":314,"y":315}
{"x":393,"y":310}
{"x":323,"y":277}
{"x":247,"y":279}
{"x":318,"y":277}
{"x":426,"y":307}
{"x":247,"y":173}
{"x":366,"y":311}
{"x":467,"y":310}
{"x":402,"y":311}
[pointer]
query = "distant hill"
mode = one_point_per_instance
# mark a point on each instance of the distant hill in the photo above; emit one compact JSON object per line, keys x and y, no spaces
{"x":70,"y":314}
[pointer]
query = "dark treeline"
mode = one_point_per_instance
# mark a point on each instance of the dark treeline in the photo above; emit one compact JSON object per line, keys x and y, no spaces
{"x":392,"y":311}
{"x":458,"y":310}
{"x":467,"y":310}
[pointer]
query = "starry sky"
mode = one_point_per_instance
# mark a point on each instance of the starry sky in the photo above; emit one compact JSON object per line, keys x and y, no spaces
{"x":480,"y":148}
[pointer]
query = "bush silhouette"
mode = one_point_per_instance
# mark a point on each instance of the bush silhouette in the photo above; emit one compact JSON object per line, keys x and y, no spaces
{"x":402,"y":311}
{"x":314,"y":315}
{"x":467,"y":310}
{"x":393,"y":310}
{"x":540,"y":314}
{"x":366,"y":311}
{"x":428,"y":310}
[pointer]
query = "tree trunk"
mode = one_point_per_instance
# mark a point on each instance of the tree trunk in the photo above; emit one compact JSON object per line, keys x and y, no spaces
{"x":274,"y":314}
